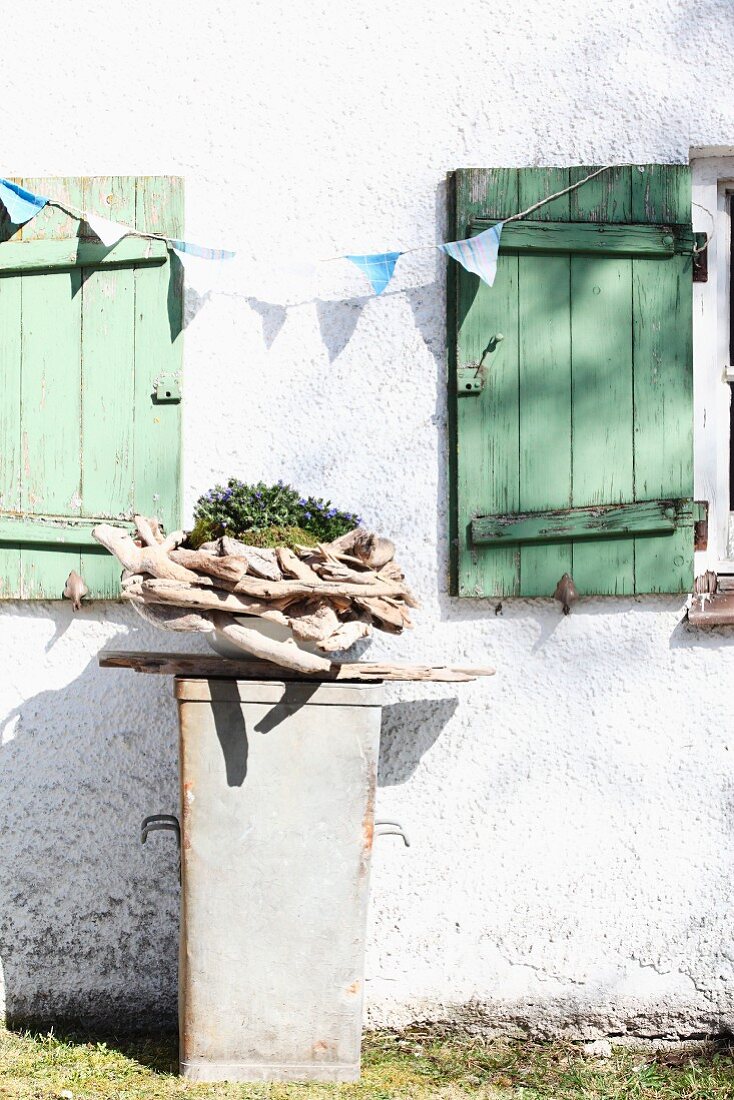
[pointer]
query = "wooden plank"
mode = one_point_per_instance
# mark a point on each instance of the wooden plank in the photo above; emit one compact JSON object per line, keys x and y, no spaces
{"x":48,"y":530}
{"x":51,"y":392}
{"x":602,"y":391}
{"x":43,"y":256}
{"x":108,"y":382}
{"x":159,"y":208}
{"x":545,"y":384}
{"x":204,"y":666}
{"x":557,"y":237}
{"x":10,"y":391}
{"x":652,"y":517}
{"x":663,"y":378}
{"x":487,"y":426}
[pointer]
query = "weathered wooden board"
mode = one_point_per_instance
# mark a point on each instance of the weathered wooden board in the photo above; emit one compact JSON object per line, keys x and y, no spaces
{"x":34,"y":257}
{"x":586,"y":402}
{"x":108,"y":393}
{"x":488,"y":459}
{"x":159,"y":208}
{"x":601,"y":328}
{"x":212,"y":667}
{"x":545,"y":385}
{"x":541,"y":237}
{"x":10,"y":433}
{"x":50,"y":531}
{"x":51,"y":392}
{"x":663,"y":379}
{"x":78,"y":368}
{"x":612,"y":521}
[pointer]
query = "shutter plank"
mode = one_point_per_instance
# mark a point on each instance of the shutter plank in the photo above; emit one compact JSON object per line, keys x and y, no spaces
{"x":51,"y":393}
{"x":650,"y":517}
{"x":159,"y":208}
{"x":10,"y":465}
{"x":663,"y":375}
{"x":487,"y":460}
{"x":108,"y":383}
{"x":538,"y":238}
{"x":545,"y":384}
{"x":602,"y":402}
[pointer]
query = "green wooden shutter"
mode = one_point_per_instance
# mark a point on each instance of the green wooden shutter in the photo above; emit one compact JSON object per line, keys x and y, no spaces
{"x":89,"y":339}
{"x":572,"y":436}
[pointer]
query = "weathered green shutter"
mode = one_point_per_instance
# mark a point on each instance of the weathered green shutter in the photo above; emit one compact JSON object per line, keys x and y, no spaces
{"x":586,"y":400}
{"x":90,"y":343}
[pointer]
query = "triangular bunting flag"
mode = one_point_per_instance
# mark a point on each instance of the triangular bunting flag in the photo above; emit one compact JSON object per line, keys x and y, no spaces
{"x":200,"y":273}
{"x":378,"y":268}
{"x":198,"y":250}
{"x":20,"y":204}
{"x":108,"y":232}
{"x":478,"y":254}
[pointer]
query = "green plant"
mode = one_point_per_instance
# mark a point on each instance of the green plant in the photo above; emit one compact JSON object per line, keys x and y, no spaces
{"x":239,"y":509}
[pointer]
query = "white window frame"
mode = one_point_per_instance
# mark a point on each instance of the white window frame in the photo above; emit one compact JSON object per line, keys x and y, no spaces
{"x":712,"y":181}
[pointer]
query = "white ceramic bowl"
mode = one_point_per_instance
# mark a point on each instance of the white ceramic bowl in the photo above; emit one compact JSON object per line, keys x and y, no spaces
{"x":277,"y":632}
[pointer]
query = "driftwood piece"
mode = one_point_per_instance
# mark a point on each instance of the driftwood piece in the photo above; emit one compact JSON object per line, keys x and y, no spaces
{"x":391,"y":572}
{"x":329,"y":594}
{"x":251,"y":586}
{"x":204,"y":666}
{"x":151,"y":559}
{"x":293,"y":566}
{"x":261,"y":561}
{"x":345,"y":636}
{"x":172,"y":618}
{"x":149,"y":530}
{"x":373,"y":550}
{"x":345,"y":543}
{"x":225,"y":568}
{"x":339,"y":571}
{"x":204,"y":599}
{"x":284,"y":653}
{"x":386,"y":613}
{"x":317,"y":621}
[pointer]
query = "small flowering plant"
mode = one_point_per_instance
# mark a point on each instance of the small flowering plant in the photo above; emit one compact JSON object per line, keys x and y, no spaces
{"x":267,"y":514}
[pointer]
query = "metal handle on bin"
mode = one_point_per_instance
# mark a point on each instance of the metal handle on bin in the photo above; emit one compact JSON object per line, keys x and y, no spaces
{"x":397,"y":830}
{"x":160,"y":823}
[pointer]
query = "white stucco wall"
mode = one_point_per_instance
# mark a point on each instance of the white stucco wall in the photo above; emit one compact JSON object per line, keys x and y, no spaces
{"x":572,"y":820}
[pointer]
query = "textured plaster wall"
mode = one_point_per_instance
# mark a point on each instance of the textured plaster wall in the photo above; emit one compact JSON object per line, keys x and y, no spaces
{"x":572,"y":820}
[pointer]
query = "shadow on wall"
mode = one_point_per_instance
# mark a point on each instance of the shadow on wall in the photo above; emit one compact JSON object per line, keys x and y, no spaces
{"x":88,"y":916}
{"x":409,"y":730}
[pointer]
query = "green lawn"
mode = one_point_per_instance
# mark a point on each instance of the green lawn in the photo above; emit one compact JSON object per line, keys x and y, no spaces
{"x":414,"y":1065}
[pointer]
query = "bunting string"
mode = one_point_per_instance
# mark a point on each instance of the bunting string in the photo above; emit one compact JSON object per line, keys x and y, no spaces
{"x":477,"y":254}
{"x":23,"y":205}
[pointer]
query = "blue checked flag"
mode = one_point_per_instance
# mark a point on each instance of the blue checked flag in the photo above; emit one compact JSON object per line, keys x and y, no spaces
{"x":378,"y":268}
{"x":20,"y":204}
{"x":478,"y":254}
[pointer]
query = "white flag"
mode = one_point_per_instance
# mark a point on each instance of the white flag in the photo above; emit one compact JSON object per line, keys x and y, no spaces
{"x":201,"y":274}
{"x":108,"y":232}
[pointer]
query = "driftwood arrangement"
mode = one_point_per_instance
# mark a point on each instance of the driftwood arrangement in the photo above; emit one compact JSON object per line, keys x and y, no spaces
{"x":330,"y":595}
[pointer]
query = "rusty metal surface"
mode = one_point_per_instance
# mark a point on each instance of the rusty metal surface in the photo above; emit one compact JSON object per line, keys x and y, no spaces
{"x":712,"y":610}
{"x":277,"y":820}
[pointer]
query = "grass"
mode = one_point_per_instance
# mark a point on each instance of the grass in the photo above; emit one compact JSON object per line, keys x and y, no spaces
{"x":413,"y":1065}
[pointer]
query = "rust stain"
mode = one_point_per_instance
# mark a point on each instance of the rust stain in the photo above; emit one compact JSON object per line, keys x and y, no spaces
{"x":353,"y":989}
{"x":322,"y":1046}
{"x":368,"y":827}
